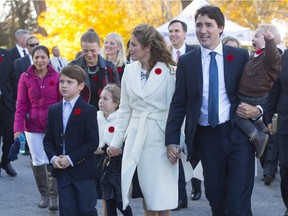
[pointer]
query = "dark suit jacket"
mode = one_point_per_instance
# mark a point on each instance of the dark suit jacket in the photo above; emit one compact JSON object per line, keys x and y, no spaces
{"x":8,"y":82}
{"x":190,"y":48}
{"x":14,"y":53}
{"x":187,"y":98}
{"x":277,"y":101}
{"x":81,"y":139}
{"x":21,"y":65}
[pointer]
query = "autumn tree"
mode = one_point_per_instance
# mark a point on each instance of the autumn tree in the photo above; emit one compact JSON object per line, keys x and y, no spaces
{"x":65,"y":21}
{"x":252,"y":13}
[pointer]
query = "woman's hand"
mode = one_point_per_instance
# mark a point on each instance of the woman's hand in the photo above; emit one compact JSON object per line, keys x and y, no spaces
{"x":17,"y":135}
{"x":113,"y":152}
{"x":173,"y":153}
{"x":247,"y":111}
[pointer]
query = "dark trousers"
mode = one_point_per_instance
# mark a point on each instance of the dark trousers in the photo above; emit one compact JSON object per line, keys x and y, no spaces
{"x":76,"y":197}
{"x":6,"y":130}
{"x":270,"y":158}
{"x":195,"y":159}
{"x":182,"y":194}
{"x":283,"y":157}
{"x":228,"y":170}
{"x":247,"y":126}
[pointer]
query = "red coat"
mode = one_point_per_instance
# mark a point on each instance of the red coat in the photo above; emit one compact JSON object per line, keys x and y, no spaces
{"x":34,"y":96}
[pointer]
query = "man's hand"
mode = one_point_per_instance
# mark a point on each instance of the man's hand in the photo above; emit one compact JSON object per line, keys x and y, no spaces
{"x":173,"y":153}
{"x":247,"y":111}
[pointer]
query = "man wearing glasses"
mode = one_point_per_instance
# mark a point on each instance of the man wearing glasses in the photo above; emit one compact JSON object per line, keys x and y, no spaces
{"x":22,"y":64}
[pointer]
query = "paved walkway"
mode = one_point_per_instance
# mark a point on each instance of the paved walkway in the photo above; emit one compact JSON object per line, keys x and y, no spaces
{"x":19,"y":196}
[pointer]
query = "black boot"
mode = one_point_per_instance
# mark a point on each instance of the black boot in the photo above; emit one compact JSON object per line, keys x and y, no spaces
{"x":8,"y":168}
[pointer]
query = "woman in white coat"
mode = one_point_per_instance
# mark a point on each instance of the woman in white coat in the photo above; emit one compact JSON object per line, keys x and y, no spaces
{"x":146,"y":91}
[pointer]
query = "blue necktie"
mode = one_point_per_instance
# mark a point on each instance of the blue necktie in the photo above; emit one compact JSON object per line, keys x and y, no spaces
{"x":213,"y":118}
{"x":60,"y":64}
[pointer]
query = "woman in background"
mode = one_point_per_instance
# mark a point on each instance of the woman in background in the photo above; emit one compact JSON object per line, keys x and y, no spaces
{"x":114,"y":51}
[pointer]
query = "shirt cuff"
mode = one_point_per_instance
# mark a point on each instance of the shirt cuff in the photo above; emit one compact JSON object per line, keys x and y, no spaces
{"x":71,"y":163}
{"x":261,"y":113}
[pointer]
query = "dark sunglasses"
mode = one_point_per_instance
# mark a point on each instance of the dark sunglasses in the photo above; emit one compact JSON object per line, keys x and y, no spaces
{"x":33,"y":45}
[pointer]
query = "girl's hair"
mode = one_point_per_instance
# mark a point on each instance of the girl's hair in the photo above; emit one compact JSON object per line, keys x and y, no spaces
{"x":90,"y":36}
{"x":274,"y":30}
{"x":74,"y":72}
{"x":121,"y":55}
{"x":41,"y":47}
{"x":115,"y":90}
{"x":148,"y":36}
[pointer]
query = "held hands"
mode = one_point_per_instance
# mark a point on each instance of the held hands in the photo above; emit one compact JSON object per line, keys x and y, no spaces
{"x":17,"y":135}
{"x":247,"y":111}
{"x":173,"y":153}
{"x":99,"y":151}
{"x":113,"y":152}
{"x":61,"y":162}
{"x":267,"y":34}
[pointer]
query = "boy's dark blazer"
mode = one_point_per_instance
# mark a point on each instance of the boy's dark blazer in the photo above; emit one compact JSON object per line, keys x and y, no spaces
{"x":81,"y":139}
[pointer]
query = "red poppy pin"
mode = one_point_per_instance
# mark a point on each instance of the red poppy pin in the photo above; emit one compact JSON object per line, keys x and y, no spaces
{"x":158,"y":71}
{"x":96,"y":77}
{"x":1,"y":58}
{"x":52,"y":83}
{"x":111,"y":129}
{"x":77,"y":111}
{"x":230,"y":57}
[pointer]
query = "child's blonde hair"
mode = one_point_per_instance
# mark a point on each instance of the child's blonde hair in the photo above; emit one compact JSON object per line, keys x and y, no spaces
{"x":115,"y":90}
{"x":274,"y":30}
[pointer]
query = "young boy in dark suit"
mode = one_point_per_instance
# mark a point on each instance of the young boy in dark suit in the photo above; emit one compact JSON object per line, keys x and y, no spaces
{"x":70,"y":142}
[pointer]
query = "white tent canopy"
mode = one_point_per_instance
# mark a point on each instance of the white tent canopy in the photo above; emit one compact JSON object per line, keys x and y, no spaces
{"x":187,"y":15}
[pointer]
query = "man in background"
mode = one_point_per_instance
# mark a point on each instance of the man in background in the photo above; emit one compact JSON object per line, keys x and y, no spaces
{"x":20,"y":49}
{"x":8,"y":87}
{"x":57,"y":61}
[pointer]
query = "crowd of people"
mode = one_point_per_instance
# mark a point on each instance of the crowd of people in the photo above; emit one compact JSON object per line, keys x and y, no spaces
{"x":106,"y":126}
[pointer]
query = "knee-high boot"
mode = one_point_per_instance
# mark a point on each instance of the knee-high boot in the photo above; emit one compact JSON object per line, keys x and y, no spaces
{"x":40,"y":174}
{"x":53,"y":191}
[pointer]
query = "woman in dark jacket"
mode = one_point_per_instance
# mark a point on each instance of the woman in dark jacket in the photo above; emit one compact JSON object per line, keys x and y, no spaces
{"x":99,"y":71}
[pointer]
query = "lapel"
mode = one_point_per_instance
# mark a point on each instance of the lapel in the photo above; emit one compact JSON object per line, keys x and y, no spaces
{"x":228,"y":66}
{"x":27,"y":62}
{"x":59,"y":116}
{"x":135,"y":81}
{"x":198,"y":74}
{"x":76,"y":112}
{"x":156,"y":78}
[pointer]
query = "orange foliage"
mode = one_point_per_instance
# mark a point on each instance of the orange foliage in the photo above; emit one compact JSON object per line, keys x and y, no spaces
{"x":65,"y":21}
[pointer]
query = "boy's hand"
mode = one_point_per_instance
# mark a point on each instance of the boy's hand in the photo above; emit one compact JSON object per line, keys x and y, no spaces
{"x":267,"y":34}
{"x":57,"y":163}
{"x":64,"y":161}
{"x":99,"y":151}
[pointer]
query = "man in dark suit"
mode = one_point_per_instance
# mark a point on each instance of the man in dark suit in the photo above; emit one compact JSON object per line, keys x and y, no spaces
{"x":177,"y":35}
{"x":226,"y":154}
{"x":22,"y":64}
{"x":277,"y":103}
{"x":8,"y":87}
{"x":20,"y":49}
{"x":70,"y":141}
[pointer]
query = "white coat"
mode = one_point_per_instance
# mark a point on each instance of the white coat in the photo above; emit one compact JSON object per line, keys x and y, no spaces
{"x":142,"y":119}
